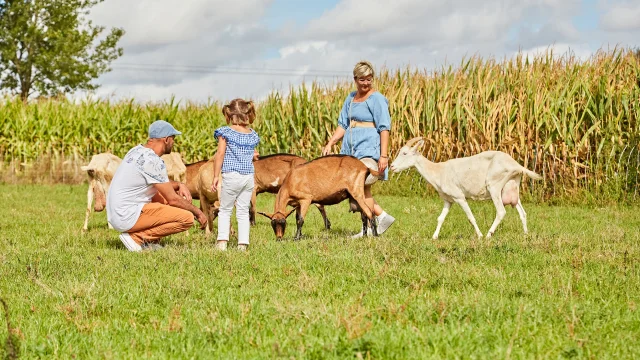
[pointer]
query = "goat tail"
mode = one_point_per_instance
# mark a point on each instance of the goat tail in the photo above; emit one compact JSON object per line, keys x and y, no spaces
{"x":374,"y":172}
{"x":531,"y":174}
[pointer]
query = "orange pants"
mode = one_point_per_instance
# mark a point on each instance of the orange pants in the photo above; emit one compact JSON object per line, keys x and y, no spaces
{"x":158,"y":220}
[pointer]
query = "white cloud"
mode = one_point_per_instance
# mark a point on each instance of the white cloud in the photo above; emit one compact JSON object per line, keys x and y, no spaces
{"x":420,"y":33}
{"x":622,"y":16}
{"x":162,"y":22}
{"x":581,"y":51}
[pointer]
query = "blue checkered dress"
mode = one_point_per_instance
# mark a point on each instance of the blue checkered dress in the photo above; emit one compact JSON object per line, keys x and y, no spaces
{"x":240,"y":146}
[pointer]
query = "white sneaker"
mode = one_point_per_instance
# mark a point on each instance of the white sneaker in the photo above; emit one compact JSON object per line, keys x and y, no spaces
{"x":360,"y":234}
{"x":221,"y":245}
{"x":384,"y":223}
{"x":243,"y":247}
{"x":129,"y":243}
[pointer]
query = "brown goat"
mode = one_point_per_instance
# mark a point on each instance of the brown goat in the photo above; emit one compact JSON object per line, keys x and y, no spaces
{"x":270,"y":172}
{"x":209,"y":203}
{"x":326,"y":180}
{"x":192,"y":177}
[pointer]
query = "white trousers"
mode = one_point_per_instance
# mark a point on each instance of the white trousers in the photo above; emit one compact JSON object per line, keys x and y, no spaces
{"x":236,"y":189}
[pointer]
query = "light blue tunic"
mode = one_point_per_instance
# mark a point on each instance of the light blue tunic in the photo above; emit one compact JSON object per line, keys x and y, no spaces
{"x":364,"y":142}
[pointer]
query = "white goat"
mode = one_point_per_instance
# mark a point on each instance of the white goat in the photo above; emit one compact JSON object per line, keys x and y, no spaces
{"x":176,"y":170}
{"x":489,"y":175}
{"x":100,"y":170}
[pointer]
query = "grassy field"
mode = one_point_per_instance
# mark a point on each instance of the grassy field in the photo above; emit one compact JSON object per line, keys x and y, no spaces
{"x":568,"y":290}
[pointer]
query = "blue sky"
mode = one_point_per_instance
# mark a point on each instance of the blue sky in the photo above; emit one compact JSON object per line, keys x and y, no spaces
{"x":587,"y":19}
{"x":217,"y":49}
{"x":300,"y":12}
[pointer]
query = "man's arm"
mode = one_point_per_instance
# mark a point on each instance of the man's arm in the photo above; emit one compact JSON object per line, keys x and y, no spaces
{"x":181,"y":189}
{"x":173,"y":199}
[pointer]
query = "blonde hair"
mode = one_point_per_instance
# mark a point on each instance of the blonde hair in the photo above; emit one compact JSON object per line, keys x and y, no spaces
{"x":239,"y":112}
{"x":363,"y":69}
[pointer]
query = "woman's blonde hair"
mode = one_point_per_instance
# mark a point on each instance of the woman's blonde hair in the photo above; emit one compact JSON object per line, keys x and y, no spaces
{"x":239,"y":112}
{"x":363,"y":69}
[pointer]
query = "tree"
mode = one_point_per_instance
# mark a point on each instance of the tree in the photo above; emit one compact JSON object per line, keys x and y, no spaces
{"x":49,"y":47}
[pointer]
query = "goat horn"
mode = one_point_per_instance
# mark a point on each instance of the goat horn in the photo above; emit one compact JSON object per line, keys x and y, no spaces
{"x":289,"y":213}
{"x":413,"y":141}
{"x":265,"y":214}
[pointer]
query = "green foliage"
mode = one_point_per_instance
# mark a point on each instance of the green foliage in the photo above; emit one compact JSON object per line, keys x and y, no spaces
{"x":48,"y":47}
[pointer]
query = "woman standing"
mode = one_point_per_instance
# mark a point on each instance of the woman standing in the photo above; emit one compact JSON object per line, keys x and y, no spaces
{"x":364,"y":125}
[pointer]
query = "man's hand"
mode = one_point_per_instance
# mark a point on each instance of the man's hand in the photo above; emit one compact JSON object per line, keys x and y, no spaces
{"x":202,"y":219}
{"x":173,"y":198}
{"x":256,"y":155}
{"x":184,"y":192}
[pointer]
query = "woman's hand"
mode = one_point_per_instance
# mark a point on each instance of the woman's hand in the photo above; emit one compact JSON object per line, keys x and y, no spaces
{"x":382,"y":164}
{"x":326,"y":150}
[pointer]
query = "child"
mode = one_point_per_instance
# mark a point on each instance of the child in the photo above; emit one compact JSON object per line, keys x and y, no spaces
{"x":234,"y":168}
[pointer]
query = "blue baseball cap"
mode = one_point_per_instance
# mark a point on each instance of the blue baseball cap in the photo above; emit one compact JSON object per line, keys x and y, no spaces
{"x":160,"y":129}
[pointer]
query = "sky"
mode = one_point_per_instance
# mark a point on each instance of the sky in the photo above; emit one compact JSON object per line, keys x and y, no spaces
{"x":217,"y":50}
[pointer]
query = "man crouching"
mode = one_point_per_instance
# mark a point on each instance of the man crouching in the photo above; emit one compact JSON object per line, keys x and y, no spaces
{"x":142,"y":203}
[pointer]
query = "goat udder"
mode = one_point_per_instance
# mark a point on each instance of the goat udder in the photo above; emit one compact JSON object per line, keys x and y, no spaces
{"x":100,"y":198}
{"x":510,"y":193}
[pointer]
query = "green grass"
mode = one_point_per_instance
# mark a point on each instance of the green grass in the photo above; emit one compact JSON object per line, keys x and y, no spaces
{"x":568,"y":290}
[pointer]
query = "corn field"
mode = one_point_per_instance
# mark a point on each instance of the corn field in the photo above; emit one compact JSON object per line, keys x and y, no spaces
{"x":575,"y":122}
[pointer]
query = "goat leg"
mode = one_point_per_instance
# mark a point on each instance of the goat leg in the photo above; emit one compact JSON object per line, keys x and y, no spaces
{"x":523,"y":216}
{"x":365,"y":224}
{"x":252,"y":209}
{"x":301,"y":212}
{"x":467,"y":210}
{"x":443,"y":215}
{"x":299,"y":222}
{"x":374,"y":225}
{"x":496,"y":196}
{"x":327,"y":223}
{"x":85,"y":227}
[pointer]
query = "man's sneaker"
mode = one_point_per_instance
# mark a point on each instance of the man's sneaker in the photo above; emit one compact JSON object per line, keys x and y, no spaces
{"x":129,"y":243}
{"x":221,"y":245}
{"x":151,"y":247}
{"x":243,"y":247}
{"x":384,"y":223}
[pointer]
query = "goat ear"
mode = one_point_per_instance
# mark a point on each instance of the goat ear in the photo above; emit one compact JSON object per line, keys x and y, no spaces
{"x":418,"y":144}
{"x":265,"y":214}
{"x":289,"y":213}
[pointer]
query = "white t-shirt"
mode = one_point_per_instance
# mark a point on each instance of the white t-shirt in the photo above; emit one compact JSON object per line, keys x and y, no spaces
{"x":132,"y":186}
